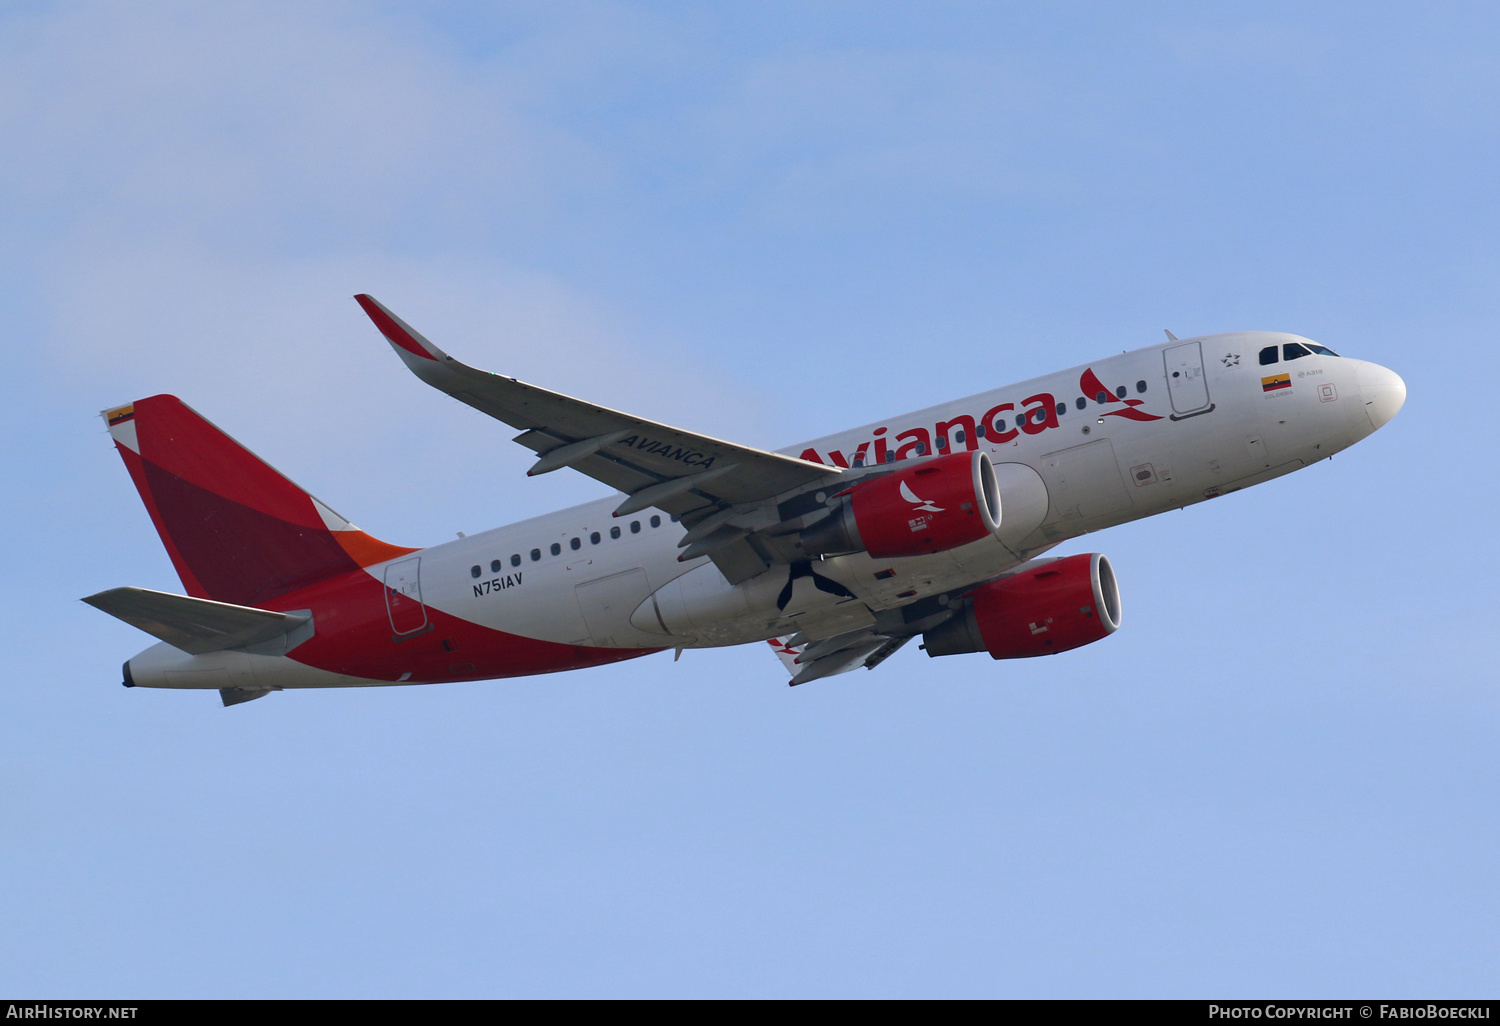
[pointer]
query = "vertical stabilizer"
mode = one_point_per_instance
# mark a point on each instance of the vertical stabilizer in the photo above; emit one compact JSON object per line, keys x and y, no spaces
{"x":236,"y":530}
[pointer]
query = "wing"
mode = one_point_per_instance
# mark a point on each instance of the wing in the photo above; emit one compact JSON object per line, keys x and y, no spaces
{"x":721,"y":491}
{"x":813,"y":653}
{"x":807,"y":661}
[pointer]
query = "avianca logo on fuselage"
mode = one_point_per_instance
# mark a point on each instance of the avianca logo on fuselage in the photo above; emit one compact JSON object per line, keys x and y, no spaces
{"x":1038,"y":413}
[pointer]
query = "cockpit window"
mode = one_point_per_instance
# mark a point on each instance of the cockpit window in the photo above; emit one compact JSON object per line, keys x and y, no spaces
{"x":1321,"y":350}
{"x":1294,"y":351}
{"x":1267,"y":355}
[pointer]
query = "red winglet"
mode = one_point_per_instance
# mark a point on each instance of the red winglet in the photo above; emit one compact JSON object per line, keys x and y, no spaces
{"x":397,"y":331}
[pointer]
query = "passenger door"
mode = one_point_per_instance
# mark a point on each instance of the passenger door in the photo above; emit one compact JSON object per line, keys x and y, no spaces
{"x":403,"y":596}
{"x":1187,"y":385}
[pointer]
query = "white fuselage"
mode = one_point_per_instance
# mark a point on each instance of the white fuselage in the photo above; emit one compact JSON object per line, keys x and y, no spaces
{"x":1213,"y":436}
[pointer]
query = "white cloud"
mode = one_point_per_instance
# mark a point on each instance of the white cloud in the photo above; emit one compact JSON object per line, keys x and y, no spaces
{"x":201,"y":188}
{"x":248,"y":119}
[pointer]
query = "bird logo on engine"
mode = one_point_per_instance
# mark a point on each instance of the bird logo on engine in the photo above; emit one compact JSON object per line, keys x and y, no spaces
{"x":925,"y":505}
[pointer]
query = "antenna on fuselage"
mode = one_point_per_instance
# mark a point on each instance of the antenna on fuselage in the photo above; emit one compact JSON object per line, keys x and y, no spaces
{"x":1170,"y":337}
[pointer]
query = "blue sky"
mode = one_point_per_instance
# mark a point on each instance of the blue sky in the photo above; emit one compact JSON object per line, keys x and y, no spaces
{"x":764,"y":223}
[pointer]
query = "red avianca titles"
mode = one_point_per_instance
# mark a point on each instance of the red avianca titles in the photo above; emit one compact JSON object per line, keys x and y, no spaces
{"x":932,"y":524}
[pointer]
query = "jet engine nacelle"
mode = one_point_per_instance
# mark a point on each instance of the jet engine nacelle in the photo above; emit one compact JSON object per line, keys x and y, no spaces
{"x":927,"y":506}
{"x":1052,"y":606}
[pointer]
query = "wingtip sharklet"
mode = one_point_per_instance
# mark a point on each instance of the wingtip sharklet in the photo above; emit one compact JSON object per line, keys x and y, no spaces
{"x":396,"y":331}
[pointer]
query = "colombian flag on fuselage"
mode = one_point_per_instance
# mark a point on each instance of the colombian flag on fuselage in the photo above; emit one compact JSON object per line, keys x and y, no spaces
{"x":1275,"y":382}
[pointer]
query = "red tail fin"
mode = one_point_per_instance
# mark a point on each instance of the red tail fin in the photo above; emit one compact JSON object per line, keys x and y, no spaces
{"x":237,"y":531}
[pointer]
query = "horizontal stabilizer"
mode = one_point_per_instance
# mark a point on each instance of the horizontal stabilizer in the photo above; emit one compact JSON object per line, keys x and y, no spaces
{"x":192,"y":624}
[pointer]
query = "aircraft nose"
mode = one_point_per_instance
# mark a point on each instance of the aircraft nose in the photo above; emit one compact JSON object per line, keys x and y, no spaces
{"x":1383,"y":390}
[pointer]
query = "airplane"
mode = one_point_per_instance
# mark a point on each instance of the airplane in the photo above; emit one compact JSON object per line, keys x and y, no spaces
{"x":933,"y":524}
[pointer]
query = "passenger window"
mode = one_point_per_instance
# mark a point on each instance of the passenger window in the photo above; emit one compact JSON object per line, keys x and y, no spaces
{"x":536,"y":554}
{"x":1062,"y":408}
{"x":1120,"y":392}
{"x":475,"y":571}
{"x":495,"y":566}
{"x":1294,"y":351}
{"x":1081,"y":403}
{"x":656,"y":521}
{"x":1268,"y":356}
{"x":942,"y":443}
{"x":575,"y":544}
{"x":1140,"y":386}
{"x":1101,"y":398}
{"x":594,"y":538}
{"x":556,"y":549}
{"x":979,"y":431}
{"x":890,"y":457}
{"x":1000,"y":425}
{"x":635,"y":527}
{"x":515,"y":560}
{"x":921,"y":448}
{"x":958,"y":437}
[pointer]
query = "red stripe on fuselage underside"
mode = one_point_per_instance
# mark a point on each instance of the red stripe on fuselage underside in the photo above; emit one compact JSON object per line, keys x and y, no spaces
{"x":353,"y":636}
{"x":239,"y":554}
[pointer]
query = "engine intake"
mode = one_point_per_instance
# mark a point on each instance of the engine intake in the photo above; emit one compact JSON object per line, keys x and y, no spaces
{"x":1052,"y":606}
{"x":930,"y":506}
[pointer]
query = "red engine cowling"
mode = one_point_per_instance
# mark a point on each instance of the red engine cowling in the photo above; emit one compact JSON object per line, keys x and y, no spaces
{"x":1051,"y":606}
{"x":927,"y":506}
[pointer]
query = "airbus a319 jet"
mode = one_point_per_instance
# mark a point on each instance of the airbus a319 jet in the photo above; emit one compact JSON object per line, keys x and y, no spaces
{"x":931,"y":524}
